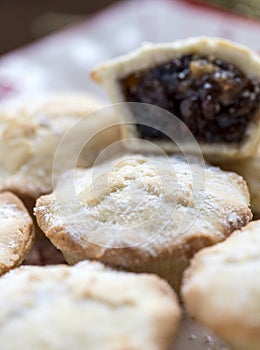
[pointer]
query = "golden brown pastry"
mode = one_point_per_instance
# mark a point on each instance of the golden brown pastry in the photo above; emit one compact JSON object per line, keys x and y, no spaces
{"x":221,"y":288}
{"x":87,"y":306}
{"x":16,"y":232}
{"x":212,"y":85}
{"x":143,"y":213}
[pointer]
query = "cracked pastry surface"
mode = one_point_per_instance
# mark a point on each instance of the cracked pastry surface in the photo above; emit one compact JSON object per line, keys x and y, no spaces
{"x":221,"y":288}
{"x":87,"y":306}
{"x":31,"y":133}
{"x":212,"y":85}
{"x":16,"y":232}
{"x":143,"y":213}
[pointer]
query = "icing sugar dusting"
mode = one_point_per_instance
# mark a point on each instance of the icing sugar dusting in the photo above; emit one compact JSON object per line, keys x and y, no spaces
{"x":10,"y":220}
{"x":136,"y":199}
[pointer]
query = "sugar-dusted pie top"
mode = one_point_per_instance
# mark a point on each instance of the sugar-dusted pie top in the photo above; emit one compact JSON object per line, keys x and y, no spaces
{"x":31,"y":133}
{"x":16,"y":232}
{"x":87,"y":306}
{"x":151,"y":206}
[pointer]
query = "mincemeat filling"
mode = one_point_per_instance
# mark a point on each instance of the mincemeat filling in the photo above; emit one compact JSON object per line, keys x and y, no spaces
{"x":212,"y":97}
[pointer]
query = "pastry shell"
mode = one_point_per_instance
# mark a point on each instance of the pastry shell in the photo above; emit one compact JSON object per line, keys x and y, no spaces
{"x":150,"y":55}
{"x":17,"y":232}
{"x":31,"y":133}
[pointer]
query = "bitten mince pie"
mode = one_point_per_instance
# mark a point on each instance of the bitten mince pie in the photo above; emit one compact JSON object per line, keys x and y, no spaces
{"x":16,"y":232}
{"x":212,"y":85}
{"x":86,"y":307}
{"x":221,"y":288}
{"x":143,"y":213}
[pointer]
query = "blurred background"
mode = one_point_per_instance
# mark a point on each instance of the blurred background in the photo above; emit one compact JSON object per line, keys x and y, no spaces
{"x":22,"y":21}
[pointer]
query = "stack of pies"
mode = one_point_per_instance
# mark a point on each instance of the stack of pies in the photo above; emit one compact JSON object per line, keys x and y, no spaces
{"x":157,"y":208}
